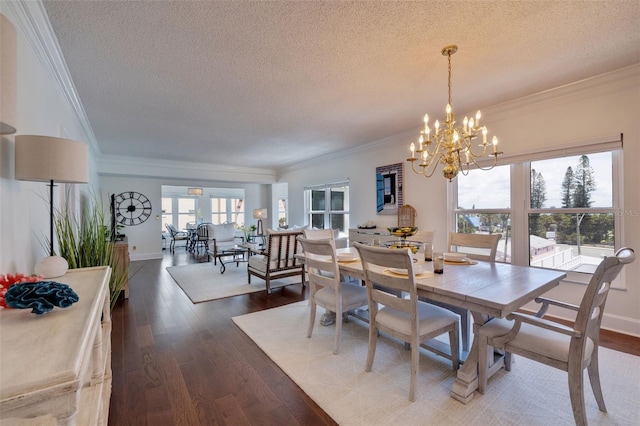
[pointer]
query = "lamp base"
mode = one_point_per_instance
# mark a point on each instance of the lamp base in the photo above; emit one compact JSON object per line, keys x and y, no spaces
{"x":52,"y":267}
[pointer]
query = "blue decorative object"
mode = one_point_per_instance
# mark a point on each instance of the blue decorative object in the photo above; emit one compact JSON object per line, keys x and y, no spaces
{"x":41,"y":296}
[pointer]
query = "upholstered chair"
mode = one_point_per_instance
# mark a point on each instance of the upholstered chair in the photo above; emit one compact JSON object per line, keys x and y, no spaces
{"x":571,"y":349}
{"x":405,"y":318}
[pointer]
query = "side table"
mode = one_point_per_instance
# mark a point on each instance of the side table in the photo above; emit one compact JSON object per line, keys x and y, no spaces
{"x":236,"y":253}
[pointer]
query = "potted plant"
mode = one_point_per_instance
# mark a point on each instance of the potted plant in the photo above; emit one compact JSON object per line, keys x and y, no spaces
{"x":83,"y":242}
{"x":282,"y":222}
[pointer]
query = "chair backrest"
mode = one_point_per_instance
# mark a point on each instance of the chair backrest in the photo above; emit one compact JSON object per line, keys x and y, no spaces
{"x":282,"y":246}
{"x":376,"y":261}
{"x":423,"y":236}
{"x":172,"y":229}
{"x":203,"y":231}
{"x":320,"y":234}
{"x":406,"y":216}
{"x":321,"y":262}
{"x":223,"y":232}
{"x":591,"y":310}
{"x":476,"y":246}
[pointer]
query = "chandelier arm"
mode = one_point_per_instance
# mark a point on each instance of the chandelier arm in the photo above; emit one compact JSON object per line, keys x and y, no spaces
{"x":476,"y":154}
{"x":487,"y":168}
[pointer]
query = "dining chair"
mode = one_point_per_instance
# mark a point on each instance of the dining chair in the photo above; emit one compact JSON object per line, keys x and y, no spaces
{"x":424,"y":237}
{"x":571,"y":349}
{"x":325,"y":287}
{"x":405,"y":318}
{"x":201,"y":238}
{"x":475,"y":246}
{"x":175,"y":235}
{"x":478,"y":247}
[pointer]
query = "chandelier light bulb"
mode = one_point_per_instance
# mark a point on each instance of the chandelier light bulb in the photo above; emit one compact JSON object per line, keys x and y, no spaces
{"x":478,"y":115}
{"x":471,"y":124}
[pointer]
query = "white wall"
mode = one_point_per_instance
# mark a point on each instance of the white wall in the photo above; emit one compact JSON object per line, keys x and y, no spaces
{"x":41,"y":110}
{"x":601,"y":106}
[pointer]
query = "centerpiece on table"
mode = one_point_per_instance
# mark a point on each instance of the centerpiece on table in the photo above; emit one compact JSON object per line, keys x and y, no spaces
{"x":404,"y":232}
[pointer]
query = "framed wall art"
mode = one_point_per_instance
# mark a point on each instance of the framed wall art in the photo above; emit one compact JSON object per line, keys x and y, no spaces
{"x":389,"y":194}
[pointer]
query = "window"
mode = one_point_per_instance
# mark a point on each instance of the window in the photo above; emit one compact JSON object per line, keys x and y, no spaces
{"x":167,"y":212}
{"x":328,"y":206}
{"x":565,"y":215}
{"x":186,"y":212}
{"x":227,"y":209}
{"x":570,"y":217}
{"x":484,"y":206}
{"x":282,"y":211}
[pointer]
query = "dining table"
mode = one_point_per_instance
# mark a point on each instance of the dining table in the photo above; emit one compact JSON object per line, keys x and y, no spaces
{"x":487,"y":289}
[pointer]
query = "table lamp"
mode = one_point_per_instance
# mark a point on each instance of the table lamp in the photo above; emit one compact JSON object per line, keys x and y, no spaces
{"x":51,"y":159}
{"x":260,"y":214}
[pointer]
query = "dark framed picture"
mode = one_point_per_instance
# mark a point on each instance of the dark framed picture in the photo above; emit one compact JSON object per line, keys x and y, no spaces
{"x":389,"y":189}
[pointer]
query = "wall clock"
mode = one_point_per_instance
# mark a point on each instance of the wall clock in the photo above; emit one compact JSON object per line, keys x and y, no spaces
{"x":132,"y":208}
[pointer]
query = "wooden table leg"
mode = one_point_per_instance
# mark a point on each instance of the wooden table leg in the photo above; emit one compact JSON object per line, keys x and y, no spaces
{"x":466,"y":382}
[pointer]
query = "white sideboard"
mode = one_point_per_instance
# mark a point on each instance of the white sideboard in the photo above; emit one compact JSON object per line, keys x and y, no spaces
{"x":57,"y":367}
{"x":366,"y":236}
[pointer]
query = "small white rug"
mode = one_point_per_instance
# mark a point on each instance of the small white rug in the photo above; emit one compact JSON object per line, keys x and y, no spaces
{"x":203,"y":281}
{"x":530,"y":394}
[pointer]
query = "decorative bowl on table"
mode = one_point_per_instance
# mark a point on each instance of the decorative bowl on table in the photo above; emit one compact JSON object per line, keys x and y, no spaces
{"x":403,"y":232}
{"x":414,"y":246}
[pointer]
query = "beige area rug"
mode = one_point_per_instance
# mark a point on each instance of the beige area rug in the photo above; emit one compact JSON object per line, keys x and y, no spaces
{"x":530,"y":394}
{"x":203,"y":281}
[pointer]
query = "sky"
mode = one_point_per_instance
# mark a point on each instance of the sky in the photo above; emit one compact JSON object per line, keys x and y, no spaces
{"x":490,"y":189}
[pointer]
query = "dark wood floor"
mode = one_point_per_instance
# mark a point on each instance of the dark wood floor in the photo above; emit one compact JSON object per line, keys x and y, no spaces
{"x":176,"y":363}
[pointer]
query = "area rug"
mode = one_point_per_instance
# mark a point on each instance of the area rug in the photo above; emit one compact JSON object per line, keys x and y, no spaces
{"x":203,"y":281}
{"x":530,"y":394}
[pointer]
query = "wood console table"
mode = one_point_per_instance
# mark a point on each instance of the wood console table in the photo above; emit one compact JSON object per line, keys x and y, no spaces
{"x":121,"y":253}
{"x":56,"y":367}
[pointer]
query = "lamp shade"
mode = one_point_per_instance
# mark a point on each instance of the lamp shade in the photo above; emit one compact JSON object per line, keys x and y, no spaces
{"x":8,"y":71}
{"x":46,"y":158}
{"x":259,"y":213}
{"x":195,"y":191}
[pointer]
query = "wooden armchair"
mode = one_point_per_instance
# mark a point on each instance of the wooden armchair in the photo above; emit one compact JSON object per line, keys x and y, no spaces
{"x":571,"y":349}
{"x":278,"y":259}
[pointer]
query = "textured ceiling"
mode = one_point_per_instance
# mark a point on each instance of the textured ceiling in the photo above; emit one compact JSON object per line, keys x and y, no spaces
{"x":267,"y":83}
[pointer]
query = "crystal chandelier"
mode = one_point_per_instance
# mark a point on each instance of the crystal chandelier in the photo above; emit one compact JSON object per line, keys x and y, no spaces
{"x":451,"y":146}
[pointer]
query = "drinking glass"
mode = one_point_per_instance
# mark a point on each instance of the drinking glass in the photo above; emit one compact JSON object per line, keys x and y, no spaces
{"x":438,"y":263}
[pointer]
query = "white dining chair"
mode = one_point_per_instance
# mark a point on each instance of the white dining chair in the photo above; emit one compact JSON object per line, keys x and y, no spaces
{"x":571,"y":349}
{"x":405,"y":318}
{"x":325,"y":287}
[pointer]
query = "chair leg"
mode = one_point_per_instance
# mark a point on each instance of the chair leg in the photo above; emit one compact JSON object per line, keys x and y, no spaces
{"x":336,"y":339}
{"x":576,"y":392}
{"x":373,"y":340}
{"x":268,"y":284}
{"x":312,"y":315}
{"x":415,"y":365}
{"x":594,"y":378}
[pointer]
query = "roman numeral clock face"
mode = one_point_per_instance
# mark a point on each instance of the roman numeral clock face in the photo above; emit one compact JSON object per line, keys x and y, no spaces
{"x":132,"y":208}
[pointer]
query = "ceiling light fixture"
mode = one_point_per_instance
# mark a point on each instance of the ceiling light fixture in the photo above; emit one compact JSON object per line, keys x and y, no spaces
{"x":196,"y":192}
{"x":450,"y":145}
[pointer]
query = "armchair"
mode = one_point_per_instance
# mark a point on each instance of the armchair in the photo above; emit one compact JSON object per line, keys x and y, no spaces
{"x":278,"y":260}
{"x":571,"y":349}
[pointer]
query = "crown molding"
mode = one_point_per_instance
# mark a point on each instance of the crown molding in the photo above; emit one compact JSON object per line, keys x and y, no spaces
{"x":112,"y":165}
{"x":33,"y":20}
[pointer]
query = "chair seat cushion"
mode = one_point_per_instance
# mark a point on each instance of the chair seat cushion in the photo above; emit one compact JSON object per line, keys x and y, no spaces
{"x":535,"y":339}
{"x":431,"y":318}
{"x":353,"y":295}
